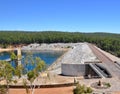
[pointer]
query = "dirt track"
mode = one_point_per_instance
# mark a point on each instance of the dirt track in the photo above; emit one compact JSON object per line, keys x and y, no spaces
{"x":62,"y":90}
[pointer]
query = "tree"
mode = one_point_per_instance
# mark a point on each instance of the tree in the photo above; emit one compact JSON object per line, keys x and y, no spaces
{"x":13,"y":58}
{"x":2,"y":89}
{"x":6,"y":73}
{"x":32,"y":75}
{"x":18,"y":71}
{"x":106,"y":41}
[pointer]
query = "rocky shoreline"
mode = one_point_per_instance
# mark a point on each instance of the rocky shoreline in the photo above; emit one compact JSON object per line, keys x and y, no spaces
{"x":47,"y":47}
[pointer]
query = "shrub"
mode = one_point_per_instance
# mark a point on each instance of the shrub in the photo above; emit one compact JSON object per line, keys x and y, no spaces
{"x":82,"y":89}
{"x":89,"y":90}
{"x":108,"y":84}
{"x":2,"y":89}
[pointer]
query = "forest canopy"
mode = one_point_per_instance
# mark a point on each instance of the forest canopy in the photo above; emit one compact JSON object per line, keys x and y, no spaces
{"x":106,"y":41}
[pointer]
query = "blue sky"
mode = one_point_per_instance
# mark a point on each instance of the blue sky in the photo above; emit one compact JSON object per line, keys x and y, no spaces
{"x":60,"y":15}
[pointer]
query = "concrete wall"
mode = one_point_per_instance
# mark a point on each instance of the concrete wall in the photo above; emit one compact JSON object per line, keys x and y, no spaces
{"x":73,"y":69}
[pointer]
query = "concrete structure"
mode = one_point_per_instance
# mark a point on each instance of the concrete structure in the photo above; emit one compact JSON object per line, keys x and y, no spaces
{"x":19,"y":54}
{"x":87,"y":66}
{"x":88,"y":70}
{"x":79,"y":63}
{"x":73,"y":69}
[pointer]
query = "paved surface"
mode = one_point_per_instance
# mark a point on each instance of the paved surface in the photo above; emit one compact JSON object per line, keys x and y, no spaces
{"x":106,"y":62}
{"x":111,"y":67}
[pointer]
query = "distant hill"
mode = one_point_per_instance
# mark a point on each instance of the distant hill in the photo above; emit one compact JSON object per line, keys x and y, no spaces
{"x":107,"y":41}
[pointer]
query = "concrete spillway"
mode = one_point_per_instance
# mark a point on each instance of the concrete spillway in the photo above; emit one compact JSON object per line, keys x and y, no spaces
{"x":97,"y":70}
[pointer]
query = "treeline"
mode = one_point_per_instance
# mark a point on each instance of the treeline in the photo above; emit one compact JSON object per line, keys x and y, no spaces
{"x":106,"y":41}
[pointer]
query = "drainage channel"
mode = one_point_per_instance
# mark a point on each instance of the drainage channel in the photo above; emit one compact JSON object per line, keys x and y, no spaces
{"x":95,"y":68}
{"x":101,"y":71}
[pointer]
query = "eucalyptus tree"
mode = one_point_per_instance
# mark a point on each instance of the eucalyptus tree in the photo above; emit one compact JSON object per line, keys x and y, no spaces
{"x":33,"y":72}
{"x":6,"y":73}
{"x":106,"y":41}
{"x":2,"y":89}
{"x":13,"y":58}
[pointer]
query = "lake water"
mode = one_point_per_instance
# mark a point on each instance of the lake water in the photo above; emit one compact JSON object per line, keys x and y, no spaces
{"x":48,"y":56}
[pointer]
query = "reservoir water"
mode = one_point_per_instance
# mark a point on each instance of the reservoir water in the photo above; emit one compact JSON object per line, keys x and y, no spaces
{"x":48,"y":56}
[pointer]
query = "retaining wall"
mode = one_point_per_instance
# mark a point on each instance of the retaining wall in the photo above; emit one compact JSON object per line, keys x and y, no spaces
{"x":73,"y":69}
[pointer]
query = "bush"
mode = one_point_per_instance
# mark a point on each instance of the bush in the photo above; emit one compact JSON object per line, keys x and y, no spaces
{"x":108,"y":84}
{"x":89,"y":90}
{"x":82,"y":89}
{"x":2,"y":89}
